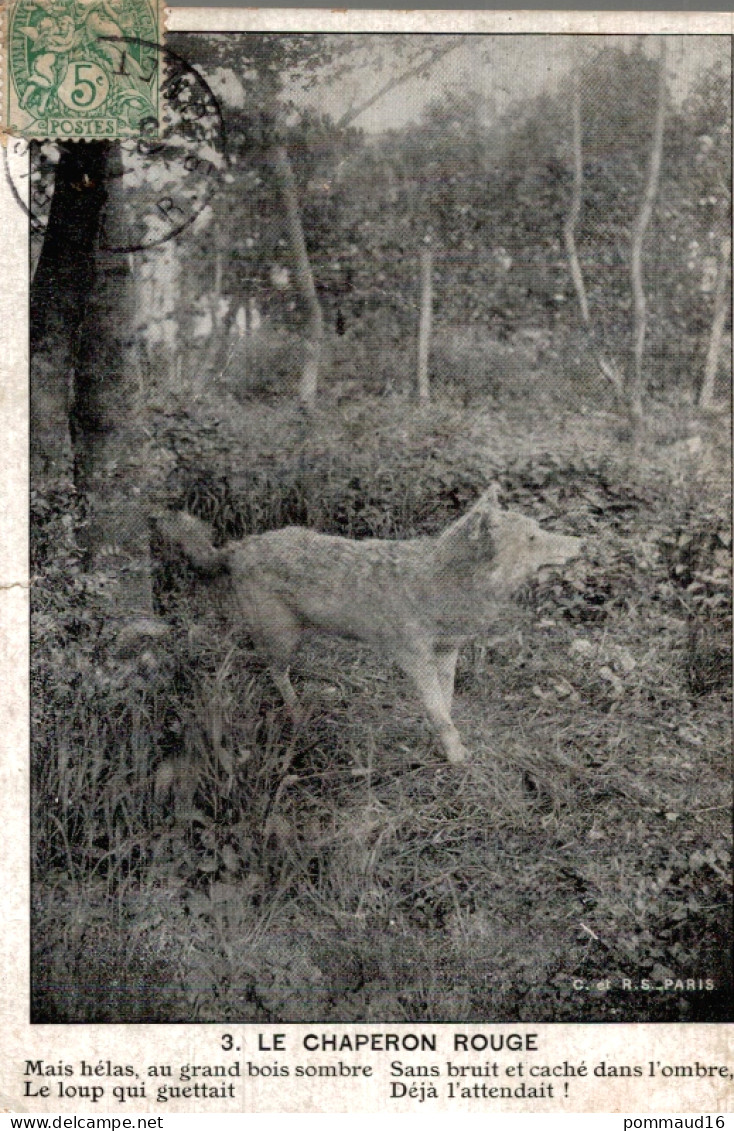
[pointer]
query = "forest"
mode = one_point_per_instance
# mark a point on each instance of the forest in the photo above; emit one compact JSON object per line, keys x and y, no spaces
{"x":354,"y":282}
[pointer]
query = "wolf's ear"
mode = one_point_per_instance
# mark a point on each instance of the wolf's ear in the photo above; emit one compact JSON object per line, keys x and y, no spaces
{"x":480,"y":525}
{"x":484,"y":515}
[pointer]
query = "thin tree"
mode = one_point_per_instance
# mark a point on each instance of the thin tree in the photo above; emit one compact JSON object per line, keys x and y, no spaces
{"x":308,"y":386}
{"x":642,"y":221}
{"x":425,"y":325}
{"x":571,"y":221}
{"x":607,"y":366}
{"x":223,"y":313}
{"x":721,"y":307}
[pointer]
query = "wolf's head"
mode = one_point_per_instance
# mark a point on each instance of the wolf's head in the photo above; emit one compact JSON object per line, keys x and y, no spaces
{"x":523,"y":549}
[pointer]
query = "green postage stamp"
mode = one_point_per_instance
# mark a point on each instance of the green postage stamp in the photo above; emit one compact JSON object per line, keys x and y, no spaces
{"x":81,"y":68}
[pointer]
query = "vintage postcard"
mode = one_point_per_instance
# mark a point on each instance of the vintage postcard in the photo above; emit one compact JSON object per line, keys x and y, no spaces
{"x":366,"y":571}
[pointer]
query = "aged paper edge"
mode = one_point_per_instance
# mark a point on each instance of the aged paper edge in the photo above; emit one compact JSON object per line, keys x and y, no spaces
{"x":454,"y":22}
{"x":185,"y":1044}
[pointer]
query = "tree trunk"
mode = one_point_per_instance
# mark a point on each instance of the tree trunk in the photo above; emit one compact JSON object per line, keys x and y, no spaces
{"x":58,"y":300}
{"x":426,"y":318}
{"x":217,"y":353}
{"x":636,"y":384}
{"x":107,"y":429}
{"x":218,"y":356}
{"x":304,"y":277}
{"x":569,"y":227}
{"x":721,"y":306}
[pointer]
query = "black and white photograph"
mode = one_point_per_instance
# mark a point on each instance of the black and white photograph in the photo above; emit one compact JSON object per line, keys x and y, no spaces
{"x":380,"y":529}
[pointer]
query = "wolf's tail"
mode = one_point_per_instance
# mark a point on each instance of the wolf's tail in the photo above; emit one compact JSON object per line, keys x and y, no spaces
{"x":193,"y":538}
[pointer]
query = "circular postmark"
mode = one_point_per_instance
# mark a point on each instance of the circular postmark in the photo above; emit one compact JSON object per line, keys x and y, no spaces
{"x":160,"y":181}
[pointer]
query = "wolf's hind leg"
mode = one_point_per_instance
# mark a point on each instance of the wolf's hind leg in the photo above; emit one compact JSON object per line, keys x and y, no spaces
{"x":422,"y":669}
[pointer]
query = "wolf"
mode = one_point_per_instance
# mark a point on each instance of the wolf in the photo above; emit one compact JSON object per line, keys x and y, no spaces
{"x":415,"y":601}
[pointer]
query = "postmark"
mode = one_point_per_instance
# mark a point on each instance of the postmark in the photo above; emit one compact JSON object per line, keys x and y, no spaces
{"x":81,"y":68}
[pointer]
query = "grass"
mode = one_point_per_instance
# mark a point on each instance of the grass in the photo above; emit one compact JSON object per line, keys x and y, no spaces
{"x":196,"y":857}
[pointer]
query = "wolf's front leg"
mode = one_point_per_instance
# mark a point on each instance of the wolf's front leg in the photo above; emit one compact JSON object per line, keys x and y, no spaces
{"x":275,"y":632}
{"x":282,"y":681}
{"x":421,"y":667}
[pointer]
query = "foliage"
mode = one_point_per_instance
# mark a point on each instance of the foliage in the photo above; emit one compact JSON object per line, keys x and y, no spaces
{"x":490,"y":192}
